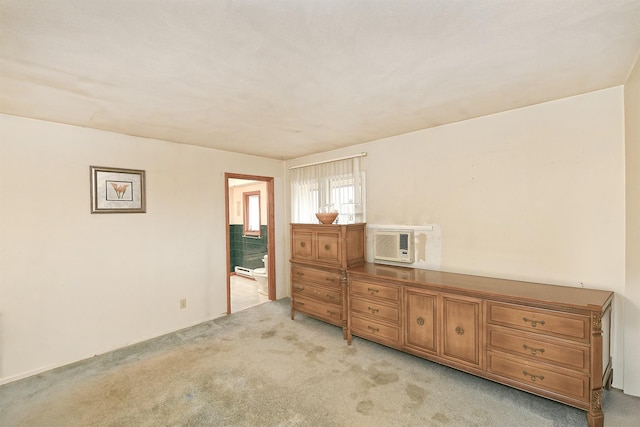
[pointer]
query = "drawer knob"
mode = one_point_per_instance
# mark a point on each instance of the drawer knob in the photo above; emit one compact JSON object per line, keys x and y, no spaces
{"x":533,"y":378}
{"x":327,"y":247}
{"x":420,"y":321}
{"x":534,"y":323}
{"x":459,"y":331}
{"x":373,"y":310}
{"x":302,"y":244}
{"x":534,"y":351}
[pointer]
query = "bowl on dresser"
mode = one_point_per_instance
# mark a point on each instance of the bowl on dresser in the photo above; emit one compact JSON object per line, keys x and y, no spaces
{"x":327,"y":218}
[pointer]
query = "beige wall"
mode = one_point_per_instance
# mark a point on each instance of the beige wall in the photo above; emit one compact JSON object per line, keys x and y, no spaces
{"x":632,"y":289}
{"x":534,"y":194}
{"x":73,"y":284}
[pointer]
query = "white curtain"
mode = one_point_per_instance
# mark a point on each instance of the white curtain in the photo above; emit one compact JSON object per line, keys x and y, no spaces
{"x":337,"y":185}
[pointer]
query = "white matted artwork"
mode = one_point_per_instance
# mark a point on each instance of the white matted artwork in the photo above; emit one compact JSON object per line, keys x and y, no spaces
{"x":117,"y":190}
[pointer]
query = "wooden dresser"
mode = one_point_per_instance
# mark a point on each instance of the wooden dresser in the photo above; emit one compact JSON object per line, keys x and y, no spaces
{"x":320,"y":256}
{"x":553,"y":341}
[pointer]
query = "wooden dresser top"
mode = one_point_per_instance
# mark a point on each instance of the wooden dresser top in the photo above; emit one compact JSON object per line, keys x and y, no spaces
{"x":487,"y":287}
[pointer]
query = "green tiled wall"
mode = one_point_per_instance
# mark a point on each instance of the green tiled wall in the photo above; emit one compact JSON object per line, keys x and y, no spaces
{"x":247,"y":251}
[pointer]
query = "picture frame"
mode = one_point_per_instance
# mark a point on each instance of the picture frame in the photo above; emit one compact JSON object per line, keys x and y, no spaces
{"x":117,"y":190}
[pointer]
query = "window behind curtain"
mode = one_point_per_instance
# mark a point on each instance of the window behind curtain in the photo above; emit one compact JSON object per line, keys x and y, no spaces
{"x":330,"y":186}
{"x":251,"y":213}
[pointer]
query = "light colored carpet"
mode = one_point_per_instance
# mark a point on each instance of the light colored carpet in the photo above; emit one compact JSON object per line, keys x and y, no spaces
{"x":259,"y":368}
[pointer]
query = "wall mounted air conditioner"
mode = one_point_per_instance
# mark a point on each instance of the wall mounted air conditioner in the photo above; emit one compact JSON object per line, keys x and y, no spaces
{"x":393,"y":245}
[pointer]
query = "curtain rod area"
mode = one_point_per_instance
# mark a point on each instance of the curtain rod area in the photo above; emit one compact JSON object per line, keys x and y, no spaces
{"x":329,"y":161}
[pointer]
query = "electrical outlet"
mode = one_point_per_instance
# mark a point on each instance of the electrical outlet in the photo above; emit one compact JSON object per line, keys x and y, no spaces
{"x":183,"y":303}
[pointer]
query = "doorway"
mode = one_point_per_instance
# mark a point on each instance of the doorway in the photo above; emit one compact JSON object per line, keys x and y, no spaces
{"x":255,"y":227}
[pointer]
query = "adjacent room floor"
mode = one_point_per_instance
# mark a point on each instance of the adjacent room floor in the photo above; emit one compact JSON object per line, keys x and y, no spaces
{"x":245,"y":293}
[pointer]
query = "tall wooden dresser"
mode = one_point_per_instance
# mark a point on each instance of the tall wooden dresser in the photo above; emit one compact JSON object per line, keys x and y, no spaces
{"x":320,"y":256}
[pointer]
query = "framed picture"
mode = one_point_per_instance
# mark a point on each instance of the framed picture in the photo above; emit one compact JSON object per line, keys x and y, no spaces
{"x":116,"y":190}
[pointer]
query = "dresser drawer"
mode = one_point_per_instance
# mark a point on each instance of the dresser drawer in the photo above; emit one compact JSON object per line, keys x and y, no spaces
{"x":330,"y":295}
{"x":375,"y":310}
{"x":535,"y":347}
{"x":389,"y":293}
{"x":375,"y":331}
{"x":328,"y":312}
{"x":539,"y":321}
{"x":533,"y":375}
{"x":322,"y":277}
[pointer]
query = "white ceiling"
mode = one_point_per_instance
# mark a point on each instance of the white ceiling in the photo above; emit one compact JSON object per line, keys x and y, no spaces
{"x":284,"y":79}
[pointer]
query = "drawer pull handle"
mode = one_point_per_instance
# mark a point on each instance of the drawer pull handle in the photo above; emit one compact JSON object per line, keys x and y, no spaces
{"x":332,"y":297}
{"x":533,"y":378}
{"x":420,"y":321}
{"x":299,"y":288}
{"x":300,"y":273}
{"x":300,"y":303}
{"x":372,"y":329}
{"x":459,"y":331}
{"x":327,"y":247}
{"x":373,"y":310}
{"x":302,"y":244}
{"x":534,"y":351}
{"x":373,"y":291}
{"x":331,"y":313}
{"x":329,"y":279}
{"x":534,"y":323}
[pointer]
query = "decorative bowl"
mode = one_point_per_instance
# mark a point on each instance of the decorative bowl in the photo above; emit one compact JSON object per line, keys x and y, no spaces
{"x":327,"y":218}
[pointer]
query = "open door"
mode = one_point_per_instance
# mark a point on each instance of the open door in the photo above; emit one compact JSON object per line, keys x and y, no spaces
{"x":271,"y":276}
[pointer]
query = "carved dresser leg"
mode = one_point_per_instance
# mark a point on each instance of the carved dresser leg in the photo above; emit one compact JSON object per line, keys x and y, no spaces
{"x":595,"y":416}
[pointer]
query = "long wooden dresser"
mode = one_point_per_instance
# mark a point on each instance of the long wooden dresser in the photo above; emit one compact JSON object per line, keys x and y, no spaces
{"x":552,"y":341}
{"x":320,"y":256}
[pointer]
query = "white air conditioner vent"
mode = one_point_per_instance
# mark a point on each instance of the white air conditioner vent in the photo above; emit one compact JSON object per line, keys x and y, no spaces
{"x":392,"y":245}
